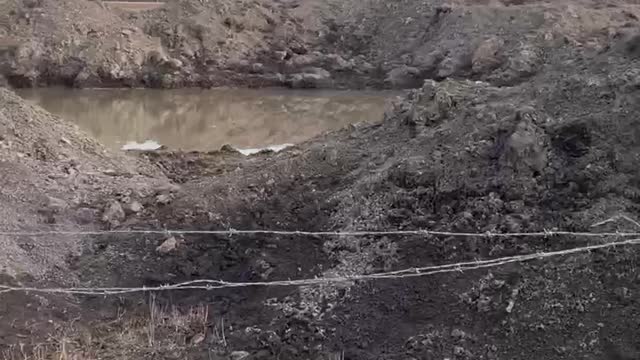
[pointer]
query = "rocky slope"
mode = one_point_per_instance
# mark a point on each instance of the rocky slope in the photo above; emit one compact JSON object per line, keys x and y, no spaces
{"x":301,"y":43}
{"x":71,"y":42}
{"x":53,"y":174}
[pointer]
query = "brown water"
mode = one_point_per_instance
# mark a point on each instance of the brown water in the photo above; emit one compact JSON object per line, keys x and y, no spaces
{"x":207,"y":119}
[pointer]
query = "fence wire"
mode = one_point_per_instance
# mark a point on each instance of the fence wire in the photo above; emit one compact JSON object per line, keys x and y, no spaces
{"x":208,"y":285}
{"x":231,"y":232}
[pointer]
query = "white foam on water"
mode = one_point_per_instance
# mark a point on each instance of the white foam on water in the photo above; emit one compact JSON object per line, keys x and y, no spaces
{"x":275,"y":148}
{"x":148,"y":145}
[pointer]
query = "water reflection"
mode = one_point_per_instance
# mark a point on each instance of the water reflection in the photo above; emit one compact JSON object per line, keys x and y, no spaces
{"x":208,"y":119}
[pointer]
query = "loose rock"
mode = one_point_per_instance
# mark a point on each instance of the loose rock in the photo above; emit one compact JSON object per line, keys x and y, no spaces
{"x":134,"y":207}
{"x":239,"y":355}
{"x":163,"y":199}
{"x":487,"y":56}
{"x":113,"y":213}
{"x":314,"y":78}
{"x":167,"y":246}
{"x":56,"y":205}
{"x":403,"y":77}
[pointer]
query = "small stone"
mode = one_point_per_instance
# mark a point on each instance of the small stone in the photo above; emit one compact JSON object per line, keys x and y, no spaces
{"x":458,"y":334}
{"x":197,"y":339}
{"x":622,"y":292}
{"x":167,"y":246}
{"x":239,"y":355}
{"x":448,"y":67}
{"x":56,"y":204}
{"x":134,"y":207}
{"x":487,"y":55}
{"x":113,"y":213}
{"x":311,"y":79}
{"x":339,"y":63}
{"x":187,"y":51}
{"x":560,"y":350}
{"x":226,"y":148}
{"x":257,"y":68}
{"x":175,"y":63}
{"x":163,"y":199}
{"x":86,"y":216}
{"x":301,"y":61}
{"x":169,"y":187}
{"x":404,"y":77}
{"x":280,"y":55}
{"x":110,"y":172}
{"x":156,"y":57}
{"x":262,"y":355}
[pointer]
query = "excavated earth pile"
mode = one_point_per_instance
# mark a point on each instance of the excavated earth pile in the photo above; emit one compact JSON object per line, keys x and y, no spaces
{"x":71,"y":43}
{"x":544,"y":141}
{"x":300,"y":43}
{"x":555,"y":153}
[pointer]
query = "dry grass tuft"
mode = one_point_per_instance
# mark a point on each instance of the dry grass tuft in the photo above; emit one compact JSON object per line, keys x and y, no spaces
{"x":163,"y":328}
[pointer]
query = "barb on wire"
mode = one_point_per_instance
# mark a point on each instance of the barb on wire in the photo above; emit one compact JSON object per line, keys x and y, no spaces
{"x":545,"y":233}
{"x":209,"y":285}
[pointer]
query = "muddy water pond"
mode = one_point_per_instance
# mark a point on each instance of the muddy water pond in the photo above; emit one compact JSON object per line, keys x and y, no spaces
{"x":205,"y":120}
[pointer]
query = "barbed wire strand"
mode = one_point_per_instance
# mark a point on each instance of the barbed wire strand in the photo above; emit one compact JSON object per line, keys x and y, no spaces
{"x":232,"y":232}
{"x":398,"y":274}
{"x":543,"y":233}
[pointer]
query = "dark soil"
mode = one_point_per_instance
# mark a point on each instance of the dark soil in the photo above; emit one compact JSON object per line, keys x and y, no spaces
{"x":544,"y":140}
{"x":461,"y":156}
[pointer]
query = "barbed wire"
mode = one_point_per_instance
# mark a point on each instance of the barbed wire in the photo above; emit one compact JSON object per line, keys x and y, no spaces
{"x":209,"y":285}
{"x":231,"y":232}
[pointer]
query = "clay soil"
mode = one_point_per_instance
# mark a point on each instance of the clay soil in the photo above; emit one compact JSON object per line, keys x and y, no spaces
{"x":523,"y":119}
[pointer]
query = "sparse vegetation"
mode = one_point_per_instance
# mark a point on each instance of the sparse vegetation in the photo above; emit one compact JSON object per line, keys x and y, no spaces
{"x":165,"y":329}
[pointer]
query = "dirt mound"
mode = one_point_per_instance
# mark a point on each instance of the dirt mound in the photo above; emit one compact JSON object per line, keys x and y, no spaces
{"x":500,"y":42}
{"x":376,"y":44}
{"x":72,"y":42}
{"x":555,"y":150}
{"x":53,"y":176}
{"x":239,"y":42}
{"x":556,"y":153}
{"x":301,"y":43}
{"x":184,"y":43}
{"x":457,"y":156}
{"x":216,"y":32}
